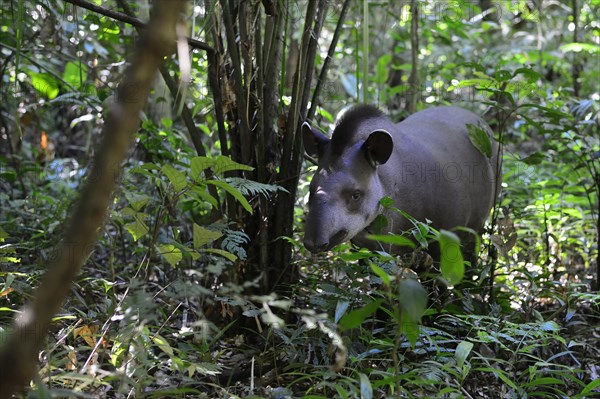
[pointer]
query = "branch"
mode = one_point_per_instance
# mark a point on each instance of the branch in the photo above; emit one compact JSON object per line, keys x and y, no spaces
{"x":19,"y":352}
{"x":138,"y":23}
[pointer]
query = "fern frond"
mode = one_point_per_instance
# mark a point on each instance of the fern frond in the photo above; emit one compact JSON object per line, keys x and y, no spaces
{"x":250,"y":187}
{"x":234,"y":242}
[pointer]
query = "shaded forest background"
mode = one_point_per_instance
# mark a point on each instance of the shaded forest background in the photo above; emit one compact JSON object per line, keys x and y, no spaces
{"x":199,"y":286}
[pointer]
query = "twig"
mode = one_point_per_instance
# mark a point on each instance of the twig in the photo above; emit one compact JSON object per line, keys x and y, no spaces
{"x":138,"y":23}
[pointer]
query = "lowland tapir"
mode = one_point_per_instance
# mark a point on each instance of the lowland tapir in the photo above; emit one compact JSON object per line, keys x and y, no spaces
{"x":427,"y":164}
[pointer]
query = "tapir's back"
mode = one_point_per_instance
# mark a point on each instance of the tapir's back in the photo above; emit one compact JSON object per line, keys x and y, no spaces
{"x":446,"y":179}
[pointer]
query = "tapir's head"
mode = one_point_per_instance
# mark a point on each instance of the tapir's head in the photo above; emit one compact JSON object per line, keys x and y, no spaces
{"x":346,"y":189}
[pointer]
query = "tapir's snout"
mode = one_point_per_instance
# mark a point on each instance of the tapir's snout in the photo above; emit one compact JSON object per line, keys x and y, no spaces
{"x":314,"y":247}
{"x":316,"y":244}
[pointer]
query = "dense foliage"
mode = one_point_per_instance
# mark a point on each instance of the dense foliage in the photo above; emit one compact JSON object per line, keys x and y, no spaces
{"x":197,"y":288}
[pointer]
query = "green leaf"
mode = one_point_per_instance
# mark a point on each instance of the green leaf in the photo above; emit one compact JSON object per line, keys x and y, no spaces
{"x":410,"y":329}
{"x":199,"y":164}
{"x":138,"y":227}
{"x":221,"y":252}
{"x":203,"y":195}
{"x":589,"y":388}
{"x":451,"y":264}
{"x":75,"y":74}
{"x":386,"y":202}
{"x":529,"y":73}
{"x":137,"y":200}
{"x":171,"y":253}
{"x":382,"y":69}
{"x":412,"y":298}
{"x":462,"y":352}
{"x":225,"y":164}
{"x":45,"y":84}
{"x":534,"y":159}
{"x":578,"y":47}
{"x":203,"y":236}
{"x":366,"y":390}
{"x":393,"y":239}
{"x":480,"y":139}
{"x":503,"y":375}
{"x":163,"y":344}
{"x":232,"y":190}
{"x":380,"y":273}
{"x":167,"y":122}
{"x":379,"y":224}
{"x":176,"y":177}
{"x":357,"y":316}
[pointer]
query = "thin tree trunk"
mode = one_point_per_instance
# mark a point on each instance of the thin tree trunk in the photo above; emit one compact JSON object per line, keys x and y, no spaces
{"x":413,"y":80}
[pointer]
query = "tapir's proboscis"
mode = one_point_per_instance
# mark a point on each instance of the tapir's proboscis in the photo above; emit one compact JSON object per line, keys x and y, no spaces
{"x":426,"y":164}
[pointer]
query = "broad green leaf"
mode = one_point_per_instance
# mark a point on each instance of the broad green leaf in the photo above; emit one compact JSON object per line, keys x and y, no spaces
{"x":75,"y":74}
{"x":451,"y":264}
{"x":529,"y":73}
{"x":382,"y":69}
{"x":163,"y":344}
{"x":412,"y":298}
{"x":480,"y":139}
{"x":176,"y":177}
{"x":379,"y":272}
{"x":45,"y":84}
{"x":225,"y":164}
{"x":171,"y":253}
{"x":203,"y":195}
{"x":138,"y":227}
{"x":386,"y":202}
{"x":578,"y":47}
{"x":234,"y":192}
{"x":167,"y":122}
{"x":137,"y":200}
{"x":502,"y":75}
{"x":393,"y":239}
{"x":226,"y":254}
{"x":357,"y":316}
{"x":203,"y":236}
{"x":410,"y":329}
{"x":199,"y":164}
{"x":462,"y":352}
{"x":379,"y":224}
{"x":366,"y":390}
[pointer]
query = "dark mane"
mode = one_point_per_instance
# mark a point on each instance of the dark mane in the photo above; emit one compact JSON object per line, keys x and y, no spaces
{"x":346,"y":126}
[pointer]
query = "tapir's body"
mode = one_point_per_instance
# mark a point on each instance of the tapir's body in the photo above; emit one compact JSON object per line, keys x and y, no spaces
{"x":426,"y":164}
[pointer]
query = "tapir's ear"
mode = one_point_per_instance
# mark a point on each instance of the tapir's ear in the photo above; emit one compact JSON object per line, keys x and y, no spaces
{"x":378,"y":147}
{"x":314,"y":141}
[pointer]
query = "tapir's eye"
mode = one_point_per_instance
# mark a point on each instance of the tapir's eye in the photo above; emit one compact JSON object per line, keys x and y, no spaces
{"x":356,"y":194}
